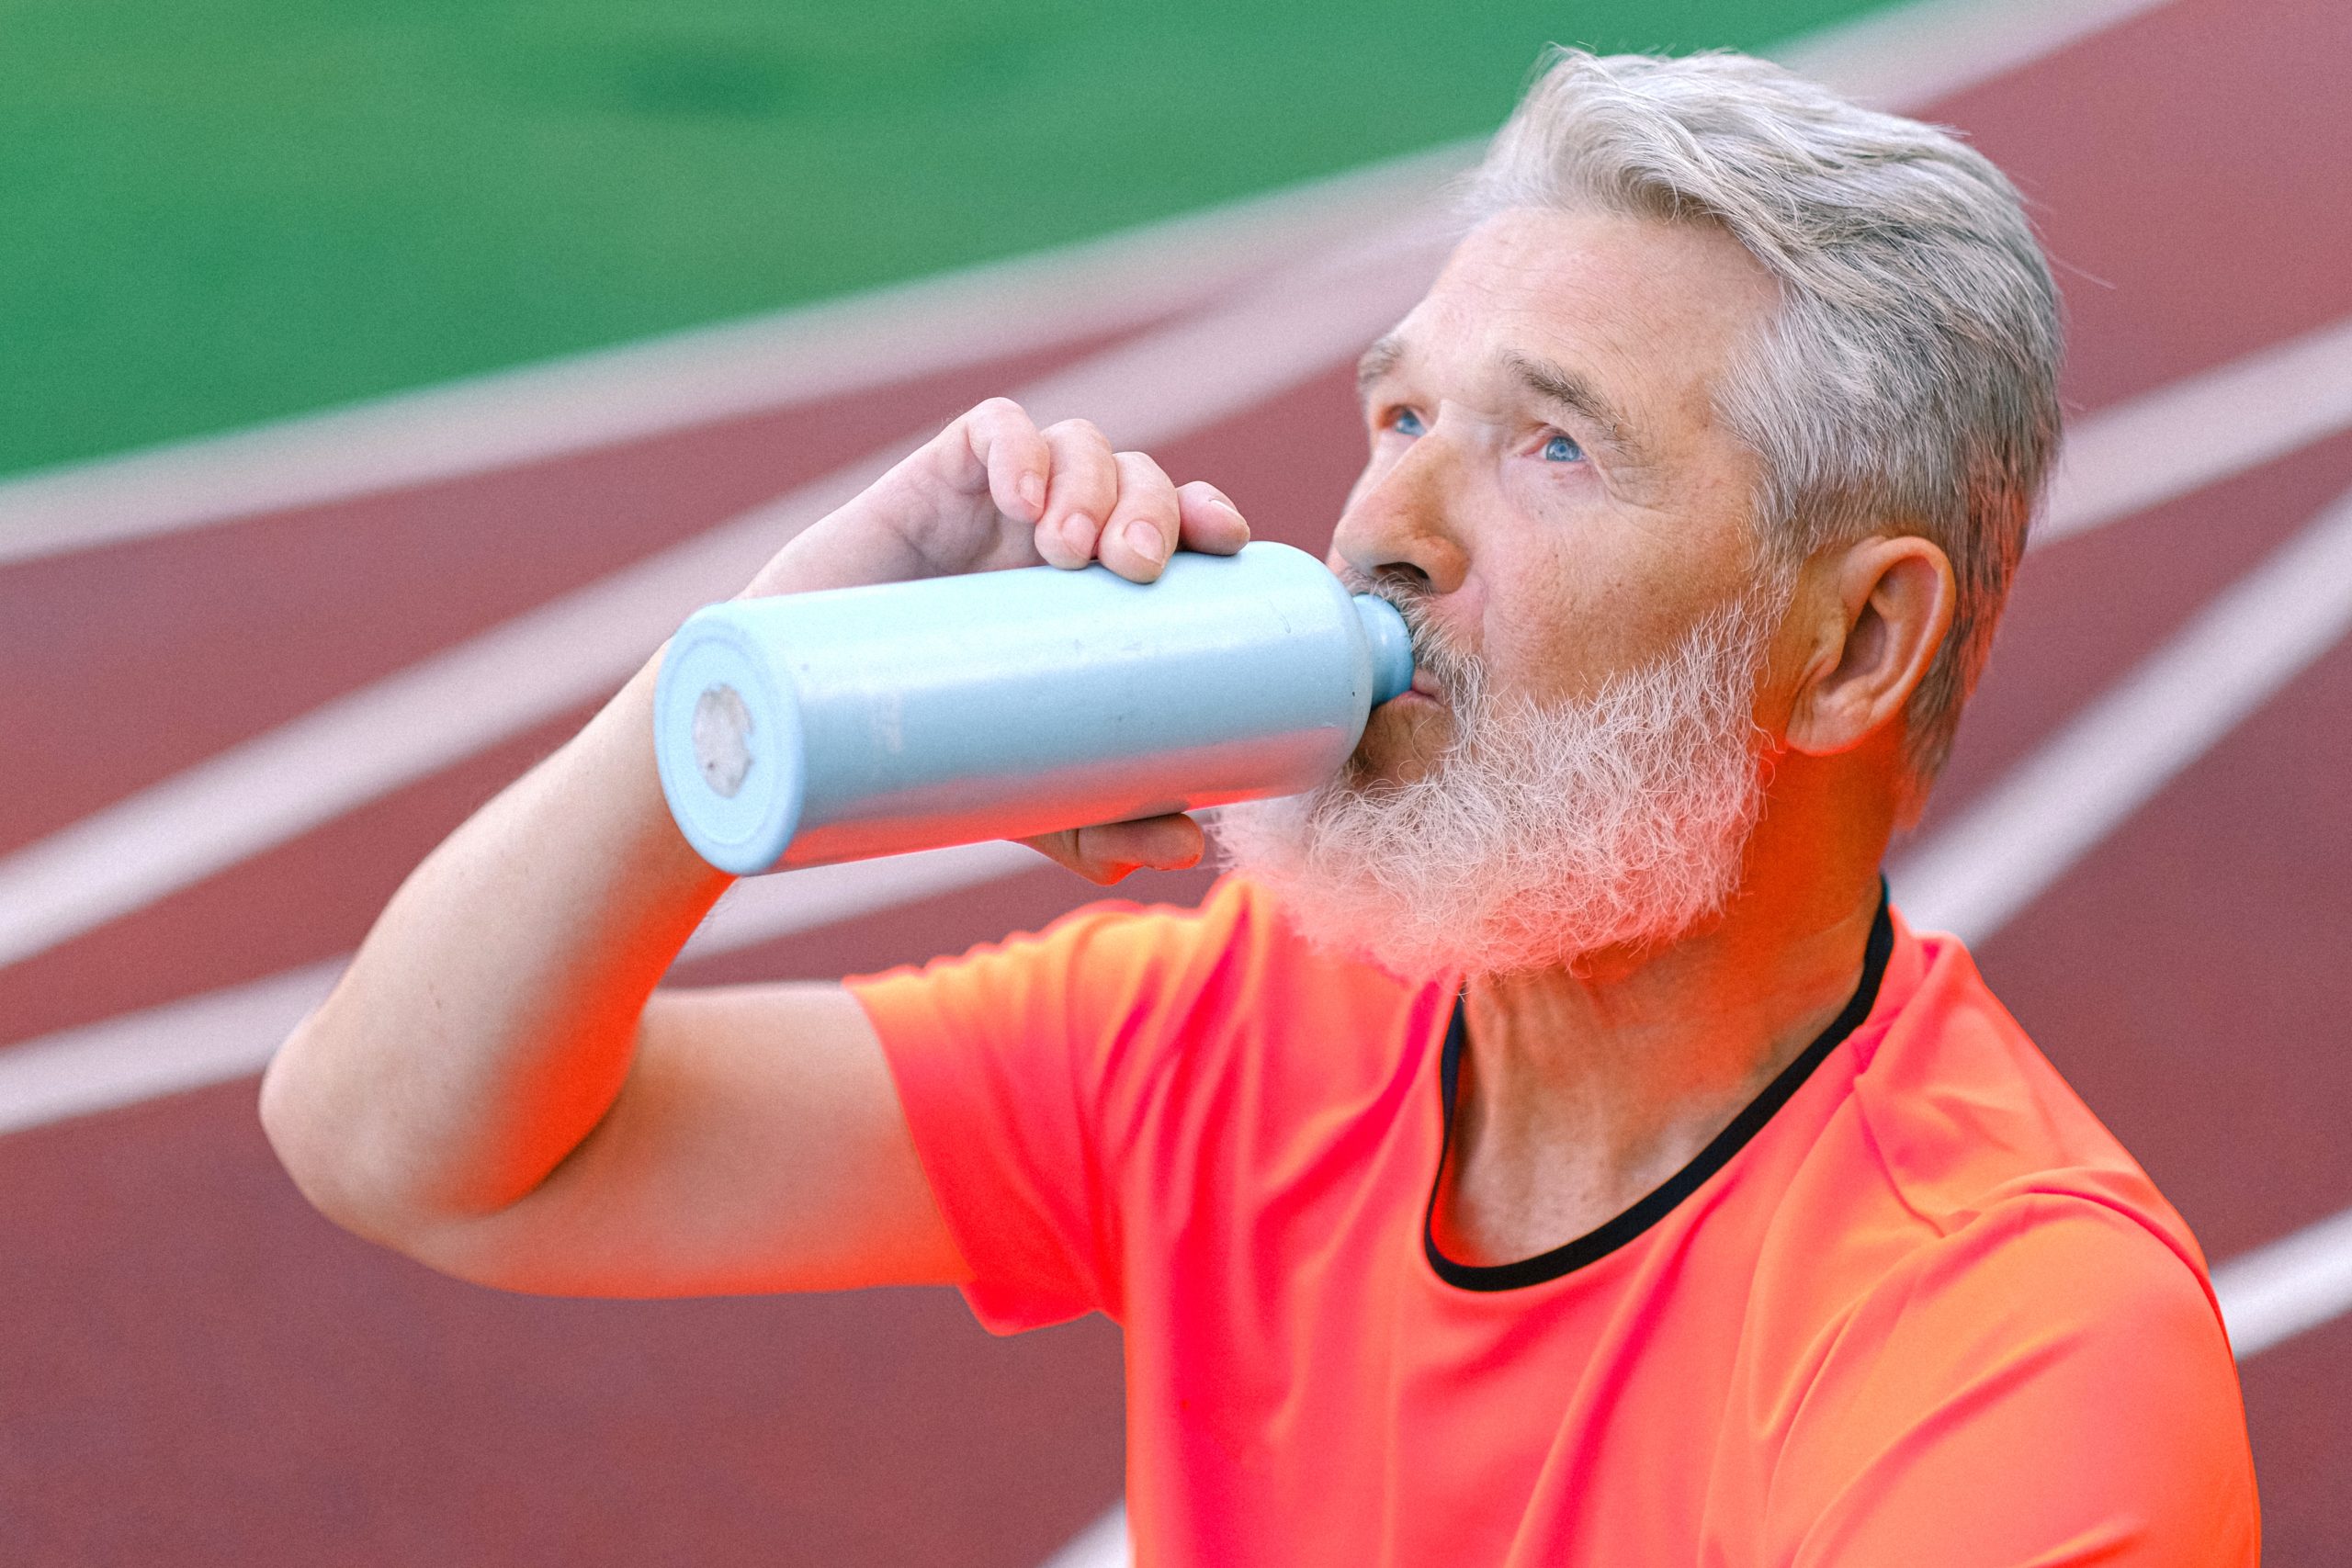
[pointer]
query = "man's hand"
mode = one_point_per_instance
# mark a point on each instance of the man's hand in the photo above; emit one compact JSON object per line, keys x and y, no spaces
{"x":992,"y":491}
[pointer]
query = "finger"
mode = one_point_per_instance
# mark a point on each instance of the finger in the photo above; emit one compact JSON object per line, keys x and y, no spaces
{"x":1107,"y":852}
{"x":1014,"y":455}
{"x":1173,"y":842}
{"x":1207,"y":521}
{"x":1110,"y":851}
{"x":1079,"y":493}
{"x":1141,"y":530}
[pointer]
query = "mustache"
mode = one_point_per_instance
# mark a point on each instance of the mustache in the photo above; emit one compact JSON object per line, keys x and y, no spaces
{"x":1454,"y":669}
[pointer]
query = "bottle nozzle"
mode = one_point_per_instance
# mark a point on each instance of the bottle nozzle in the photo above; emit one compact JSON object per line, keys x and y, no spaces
{"x":1391,"y":645}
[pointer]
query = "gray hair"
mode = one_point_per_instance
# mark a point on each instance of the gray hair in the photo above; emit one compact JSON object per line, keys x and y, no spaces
{"x":1908,"y":379}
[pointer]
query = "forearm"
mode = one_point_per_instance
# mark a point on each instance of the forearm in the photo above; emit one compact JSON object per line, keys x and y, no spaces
{"x":488,"y":1022}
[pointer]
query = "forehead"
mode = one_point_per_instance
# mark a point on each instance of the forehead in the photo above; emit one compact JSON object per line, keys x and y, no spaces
{"x":1652,"y":307}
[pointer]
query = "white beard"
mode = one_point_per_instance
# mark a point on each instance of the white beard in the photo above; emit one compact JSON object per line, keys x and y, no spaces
{"x":1541,"y":834}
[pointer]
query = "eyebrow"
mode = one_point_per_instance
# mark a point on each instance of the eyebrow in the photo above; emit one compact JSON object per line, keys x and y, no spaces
{"x":1378,"y":361}
{"x":1570,"y":390}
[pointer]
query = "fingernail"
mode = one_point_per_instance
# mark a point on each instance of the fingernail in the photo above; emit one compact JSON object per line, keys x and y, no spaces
{"x":1077,"y":532}
{"x":1144,"y":539}
{"x":1033,"y":492}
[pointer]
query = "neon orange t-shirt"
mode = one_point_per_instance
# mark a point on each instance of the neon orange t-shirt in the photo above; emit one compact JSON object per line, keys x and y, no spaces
{"x":1919,"y":1310}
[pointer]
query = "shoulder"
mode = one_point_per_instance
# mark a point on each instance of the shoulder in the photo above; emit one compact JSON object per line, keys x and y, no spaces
{"x":1211,"y":1011}
{"x":1982,"y":1161}
{"x":1997,"y":1295}
{"x":1235,"y":918}
{"x":1965,"y":1121}
{"x":2051,"y":1372}
{"x":2046,"y":1378}
{"x":2042,"y":1274}
{"x":1137,"y":993}
{"x":1109,"y":954}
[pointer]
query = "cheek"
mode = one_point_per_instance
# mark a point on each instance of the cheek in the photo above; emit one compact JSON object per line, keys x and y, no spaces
{"x":1553,"y":572}
{"x":1530,"y":612}
{"x":1557,"y":624}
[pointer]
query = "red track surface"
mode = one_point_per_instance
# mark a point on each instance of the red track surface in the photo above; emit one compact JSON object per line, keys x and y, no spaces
{"x":194,"y":1369}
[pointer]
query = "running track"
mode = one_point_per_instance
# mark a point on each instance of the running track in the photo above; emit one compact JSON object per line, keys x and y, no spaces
{"x":195,"y":1370}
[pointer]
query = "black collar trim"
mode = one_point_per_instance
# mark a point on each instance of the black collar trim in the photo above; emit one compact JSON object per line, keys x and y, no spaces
{"x":1599,"y":1243}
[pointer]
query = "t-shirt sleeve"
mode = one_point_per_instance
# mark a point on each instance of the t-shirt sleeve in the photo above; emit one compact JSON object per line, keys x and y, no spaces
{"x":1015,"y":1063}
{"x":2048,"y":1385}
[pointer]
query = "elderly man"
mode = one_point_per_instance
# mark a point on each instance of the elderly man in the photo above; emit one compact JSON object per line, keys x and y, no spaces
{"x":1547,"y":1147}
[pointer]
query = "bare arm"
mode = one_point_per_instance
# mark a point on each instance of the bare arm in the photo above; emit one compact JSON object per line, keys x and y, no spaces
{"x":497,"y":1089}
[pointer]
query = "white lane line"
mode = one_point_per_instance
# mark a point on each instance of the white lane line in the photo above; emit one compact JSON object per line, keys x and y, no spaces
{"x":1908,"y":57}
{"x":162,"y":1050}
{"x":230,"y":1033}
{"x":2295,"y":1283}
{"x":577,"y":648}
{"x":538,"y":411}
{"x":2013,"y":843}
{"x":2179,"y":439}
{"x":1102,"y":1544}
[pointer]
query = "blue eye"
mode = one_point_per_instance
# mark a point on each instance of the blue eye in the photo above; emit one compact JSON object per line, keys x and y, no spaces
{"x":1560,"y":449}
{"x":1405,"y":421}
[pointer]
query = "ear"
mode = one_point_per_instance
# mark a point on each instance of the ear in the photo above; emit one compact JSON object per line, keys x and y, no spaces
{"x":1883,"y":605}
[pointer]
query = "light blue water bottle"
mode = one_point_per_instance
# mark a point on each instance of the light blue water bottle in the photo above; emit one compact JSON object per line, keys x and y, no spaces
{"x":810,"y":728}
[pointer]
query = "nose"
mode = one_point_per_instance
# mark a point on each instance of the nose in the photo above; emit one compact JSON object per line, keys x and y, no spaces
{"x":1396,"y":522}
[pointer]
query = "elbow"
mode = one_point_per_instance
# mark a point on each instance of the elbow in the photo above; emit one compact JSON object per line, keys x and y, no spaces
{"x":319,"y":1148}
{"x":349,"y":1166}
{"x":285,"y":1116}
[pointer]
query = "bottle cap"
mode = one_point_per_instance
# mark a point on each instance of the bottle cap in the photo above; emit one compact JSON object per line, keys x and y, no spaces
{"x":728,"y":743}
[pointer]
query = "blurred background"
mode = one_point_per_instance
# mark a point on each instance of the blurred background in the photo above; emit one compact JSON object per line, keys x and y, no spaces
{"x":379,"y":385}
{"x":225,"y":213}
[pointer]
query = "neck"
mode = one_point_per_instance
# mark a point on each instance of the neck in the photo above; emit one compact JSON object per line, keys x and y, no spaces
{"x":1582,"y":1089}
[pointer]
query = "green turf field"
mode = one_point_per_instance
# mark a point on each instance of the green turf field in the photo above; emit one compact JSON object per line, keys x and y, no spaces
{"x":221,"y":211}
